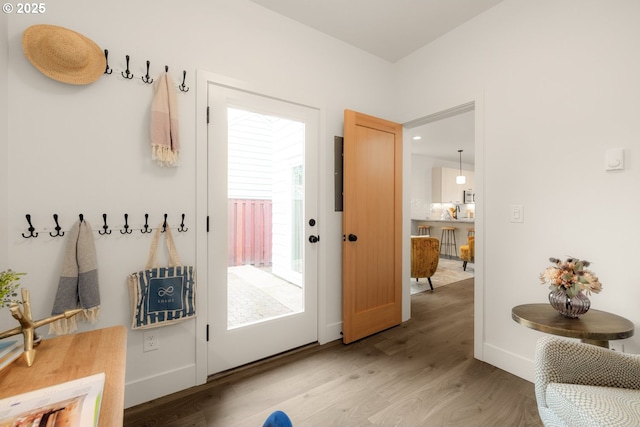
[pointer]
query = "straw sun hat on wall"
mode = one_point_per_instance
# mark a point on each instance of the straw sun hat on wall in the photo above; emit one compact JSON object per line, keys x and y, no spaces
{"x":63,"y":55}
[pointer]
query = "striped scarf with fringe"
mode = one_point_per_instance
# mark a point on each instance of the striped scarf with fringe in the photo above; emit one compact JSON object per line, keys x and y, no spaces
{"x":78,"y":285}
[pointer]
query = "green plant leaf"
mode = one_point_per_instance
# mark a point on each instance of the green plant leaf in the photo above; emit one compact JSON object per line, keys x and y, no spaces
{"x":9,"y":283}
{"x":573,"y":290}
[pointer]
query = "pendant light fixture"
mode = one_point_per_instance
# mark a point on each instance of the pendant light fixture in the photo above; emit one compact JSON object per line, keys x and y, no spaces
{"x":460,"y":179}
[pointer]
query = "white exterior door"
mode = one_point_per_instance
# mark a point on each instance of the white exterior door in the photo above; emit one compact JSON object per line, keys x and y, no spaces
{"x":262,"y":240}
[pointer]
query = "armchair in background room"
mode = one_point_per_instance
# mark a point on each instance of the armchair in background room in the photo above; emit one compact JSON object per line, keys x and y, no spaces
{"x":467,"y":252}
{"x":425,"y":254}
{"x":580,"y":384}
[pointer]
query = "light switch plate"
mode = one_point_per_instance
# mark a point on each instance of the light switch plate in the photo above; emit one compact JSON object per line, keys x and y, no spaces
{"x":517,"y":213}
{"x":614,"y":159}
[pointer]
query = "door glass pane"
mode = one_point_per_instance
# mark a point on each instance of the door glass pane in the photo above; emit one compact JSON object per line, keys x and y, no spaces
{"x":265,"y":217}
{"x":297,"y":218}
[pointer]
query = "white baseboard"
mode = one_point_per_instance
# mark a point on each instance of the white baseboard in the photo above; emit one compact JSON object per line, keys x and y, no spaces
{"x":510,"y":362}
{"x":149,"y":388}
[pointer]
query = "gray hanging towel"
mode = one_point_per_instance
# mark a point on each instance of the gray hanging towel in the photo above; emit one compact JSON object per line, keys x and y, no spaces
{"x":78,"y":285}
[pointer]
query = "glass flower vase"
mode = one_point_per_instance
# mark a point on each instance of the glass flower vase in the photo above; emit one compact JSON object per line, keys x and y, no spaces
{"x":569,"y":306}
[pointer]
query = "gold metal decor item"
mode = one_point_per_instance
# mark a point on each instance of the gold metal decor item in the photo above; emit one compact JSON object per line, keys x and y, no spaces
{"x":28,"y":327}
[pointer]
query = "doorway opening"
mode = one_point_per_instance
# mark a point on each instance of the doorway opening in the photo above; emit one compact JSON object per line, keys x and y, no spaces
{"x":465,"y":123}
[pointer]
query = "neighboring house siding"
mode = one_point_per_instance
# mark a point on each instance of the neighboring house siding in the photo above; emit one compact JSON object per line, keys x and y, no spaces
{"x":250,"y":156}
{"x":287,"y":220}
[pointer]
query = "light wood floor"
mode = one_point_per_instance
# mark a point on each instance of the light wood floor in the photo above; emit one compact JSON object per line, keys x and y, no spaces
{"x":420,"y":373}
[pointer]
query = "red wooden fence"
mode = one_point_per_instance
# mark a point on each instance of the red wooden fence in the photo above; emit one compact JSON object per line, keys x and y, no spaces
{"x":249,"y":232}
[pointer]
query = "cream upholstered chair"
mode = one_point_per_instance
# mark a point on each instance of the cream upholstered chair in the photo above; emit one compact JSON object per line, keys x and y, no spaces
{"x":579,"y":384}
{"x":467,"y":252}
{"x":425,"y":254}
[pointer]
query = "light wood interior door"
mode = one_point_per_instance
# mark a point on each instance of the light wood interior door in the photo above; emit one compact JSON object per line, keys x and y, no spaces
{"x":372,"y":226}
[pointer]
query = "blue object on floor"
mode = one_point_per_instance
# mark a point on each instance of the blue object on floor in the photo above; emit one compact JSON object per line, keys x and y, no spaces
{"x":278,"y":419}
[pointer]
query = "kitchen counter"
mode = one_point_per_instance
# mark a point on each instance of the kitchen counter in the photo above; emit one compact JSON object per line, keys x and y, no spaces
{"x":462,"y":225}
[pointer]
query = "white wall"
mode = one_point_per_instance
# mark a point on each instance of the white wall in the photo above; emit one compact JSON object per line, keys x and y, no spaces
{"x":84,"y":149}
{"x":4,"y":144}
{"x":559,"y":83}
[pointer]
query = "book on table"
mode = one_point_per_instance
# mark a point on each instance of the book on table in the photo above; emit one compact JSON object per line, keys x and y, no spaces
{"x":73,"y":403}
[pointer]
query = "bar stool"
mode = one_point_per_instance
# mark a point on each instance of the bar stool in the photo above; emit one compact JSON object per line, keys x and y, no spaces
{"x":471,"y":232}
{"x":448,"y":242}
{"x":424,"y":230}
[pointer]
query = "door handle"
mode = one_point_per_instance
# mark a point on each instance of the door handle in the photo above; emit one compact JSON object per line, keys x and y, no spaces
{"x":352,"y":237}
{"x":314,"y":239}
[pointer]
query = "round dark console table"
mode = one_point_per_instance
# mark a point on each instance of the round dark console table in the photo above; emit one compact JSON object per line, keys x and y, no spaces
{"x":594,"y":327}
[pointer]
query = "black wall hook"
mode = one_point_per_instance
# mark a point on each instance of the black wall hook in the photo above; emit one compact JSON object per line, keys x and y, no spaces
{"x":58,"y":228}
{"x":146,"y":228}
{"x":182,"y":229}
{"x":106,"y":57}
{"x":105,"y":230}
{"x":105,"y":227}
{"x":146,"y":78}
{"x":31,"y":228}
{"x":126,"y":225}
{"x":128,"y":74}
{"x":182,"y":87}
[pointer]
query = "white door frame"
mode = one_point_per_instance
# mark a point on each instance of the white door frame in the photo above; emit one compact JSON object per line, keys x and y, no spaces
{"x":478,"y":325}
{"x":203,"y":78}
